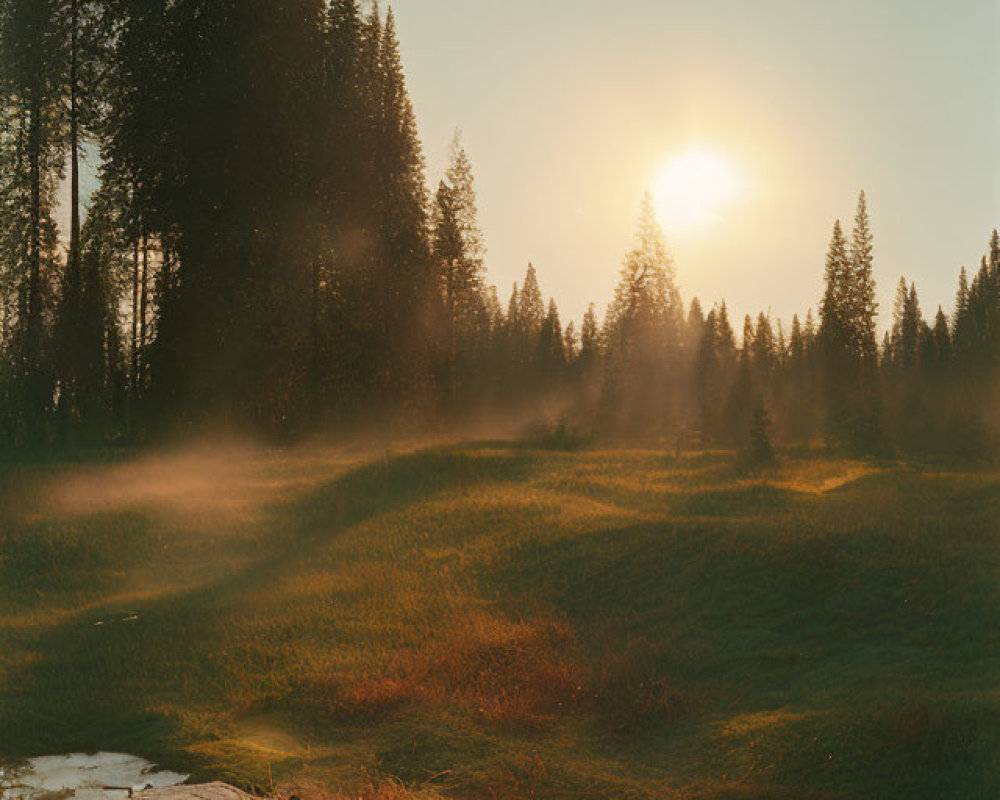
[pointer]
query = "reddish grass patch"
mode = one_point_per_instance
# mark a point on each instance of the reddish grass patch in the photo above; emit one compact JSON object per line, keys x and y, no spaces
{"x":512,"y":674}
{"x":509,"y":672}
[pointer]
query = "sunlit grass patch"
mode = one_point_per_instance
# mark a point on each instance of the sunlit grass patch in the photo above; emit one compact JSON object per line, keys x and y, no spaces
{"x":748,"y":724}
{"x":818,"y":476}
{"x":508,"y":672}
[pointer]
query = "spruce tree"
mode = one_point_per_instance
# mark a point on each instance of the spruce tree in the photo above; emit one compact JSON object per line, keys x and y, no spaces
{"x":765,"y":349}
{"x":458,"y":258}
{"x":590,"y":340}
{"x":942,"y":339}
{"x":460,"y":178}
{"x":514,"y":310}
{"x":907,"y":321}
{"x":79,"y":342}
{"x":643,"y":332}
{"x":694,"y":326}
{"x":32,"y":59}
{"x":994,"y":254}
{"x":759,"y":450}
{"x":835,"y":311}
{"x":796,"y":342}
{"x":748,"y":337}
{"x":402,"y":265}
{"x":707,"y":376}
{"x":912,"y":327}
{"x":739,"y":404}
{"x":726,"y":338}
{"x":798,"y":408}
{"x":551,"y":347}
{"x":861,"y":284}
{"x":809,"y":333}
{"x":847,"y":339}
{"x":571,"y":343}
{"x":531,"y":307}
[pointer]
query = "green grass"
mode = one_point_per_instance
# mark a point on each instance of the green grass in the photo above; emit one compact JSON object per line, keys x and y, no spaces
{"x":495,"y":621}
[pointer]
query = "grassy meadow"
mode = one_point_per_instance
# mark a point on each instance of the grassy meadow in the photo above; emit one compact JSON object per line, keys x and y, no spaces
{"x":503,"y":622}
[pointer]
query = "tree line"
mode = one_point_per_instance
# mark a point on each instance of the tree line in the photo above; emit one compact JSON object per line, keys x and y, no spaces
{"x":263,"y":253}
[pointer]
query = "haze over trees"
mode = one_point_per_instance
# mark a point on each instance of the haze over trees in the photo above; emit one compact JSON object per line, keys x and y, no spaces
{"x":263,"y":253}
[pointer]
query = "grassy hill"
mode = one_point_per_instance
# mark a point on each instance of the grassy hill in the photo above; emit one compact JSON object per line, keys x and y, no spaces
{"x":496,"y":621}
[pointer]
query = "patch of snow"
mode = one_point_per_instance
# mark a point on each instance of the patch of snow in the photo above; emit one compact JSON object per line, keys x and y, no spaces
{"x":103,"y":776}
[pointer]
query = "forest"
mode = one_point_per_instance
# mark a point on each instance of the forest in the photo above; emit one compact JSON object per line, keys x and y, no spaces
{"x":263,"y":254}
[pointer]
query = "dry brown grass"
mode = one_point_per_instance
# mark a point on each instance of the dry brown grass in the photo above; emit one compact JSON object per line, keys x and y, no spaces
{"x":389,"y":789}
{"x":511,"y":673}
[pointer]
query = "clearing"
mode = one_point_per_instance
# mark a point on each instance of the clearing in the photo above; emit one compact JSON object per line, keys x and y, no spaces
{"x":498,"y":621}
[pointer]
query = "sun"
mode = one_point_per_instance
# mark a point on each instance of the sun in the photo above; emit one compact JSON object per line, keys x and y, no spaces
{"x":693,"y":188}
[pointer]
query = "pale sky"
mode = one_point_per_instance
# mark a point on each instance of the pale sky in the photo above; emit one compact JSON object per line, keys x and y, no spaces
{"x":569,"y":108}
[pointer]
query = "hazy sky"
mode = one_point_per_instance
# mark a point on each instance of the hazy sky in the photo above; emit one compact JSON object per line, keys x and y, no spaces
{"x":569,"y":108}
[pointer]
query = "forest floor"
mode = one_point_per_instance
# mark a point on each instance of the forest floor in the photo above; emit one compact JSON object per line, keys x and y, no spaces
{"x":508,"y":622}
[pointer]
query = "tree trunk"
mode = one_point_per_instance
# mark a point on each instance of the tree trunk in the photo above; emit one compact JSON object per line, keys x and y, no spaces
{"x":143,"y":304}
{"x":315,"y":383}
{"x":133,"y":379}
{"x":32,"y":364}
{"x":74,"y":135}
{"x":452,"y":337}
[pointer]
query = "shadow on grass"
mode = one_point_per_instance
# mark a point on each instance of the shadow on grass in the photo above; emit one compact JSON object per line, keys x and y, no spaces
{"x":744,"y":501}
{"x":82,"y":687}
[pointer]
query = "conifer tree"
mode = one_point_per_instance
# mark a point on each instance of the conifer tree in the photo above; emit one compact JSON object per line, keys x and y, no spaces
{"x":531,"y":307}
{"x":458,"y":258}
{"x":994,"y":253}
{"x":706,"y":375}
{"x":694,"y":327}
{"x":552,"y":353}
{"x":809,"y":333}
{"x":847,"y":339}
{"x":905,"y":337}
{"x":344,"y":100}
{"x":861,"y":286}
{"x":748,"y":337}
{"x":796,"y":342}
{"x":726,"y":339}
{"x":590,"y":342}
{"x":32,"y":59}
{"x":739,"y":401}
{"x":514,"y":310}
{"x":403,"y":254}
{"x":79,"y":342}
{"x":760,"y":450}
{"x":962,"y":298}
{"x":494,"y":310}
{"x":571,"y":343}
{"x":643,"y":331}
{"x":913,"y":327}
{"x":835,"y":319}
{"x":942,"y":339}
{"x":796,"y":417}
{"x":449,"y":258}
{"x":765,"y":349}
{"x":780,"y":344}
{"x":460,"y":178}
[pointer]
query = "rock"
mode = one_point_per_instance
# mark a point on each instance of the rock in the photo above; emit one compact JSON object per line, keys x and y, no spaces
{"x":199,"y":791}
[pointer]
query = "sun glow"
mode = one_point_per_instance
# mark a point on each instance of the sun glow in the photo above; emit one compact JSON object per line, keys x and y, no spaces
{"x":693,"y":188}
